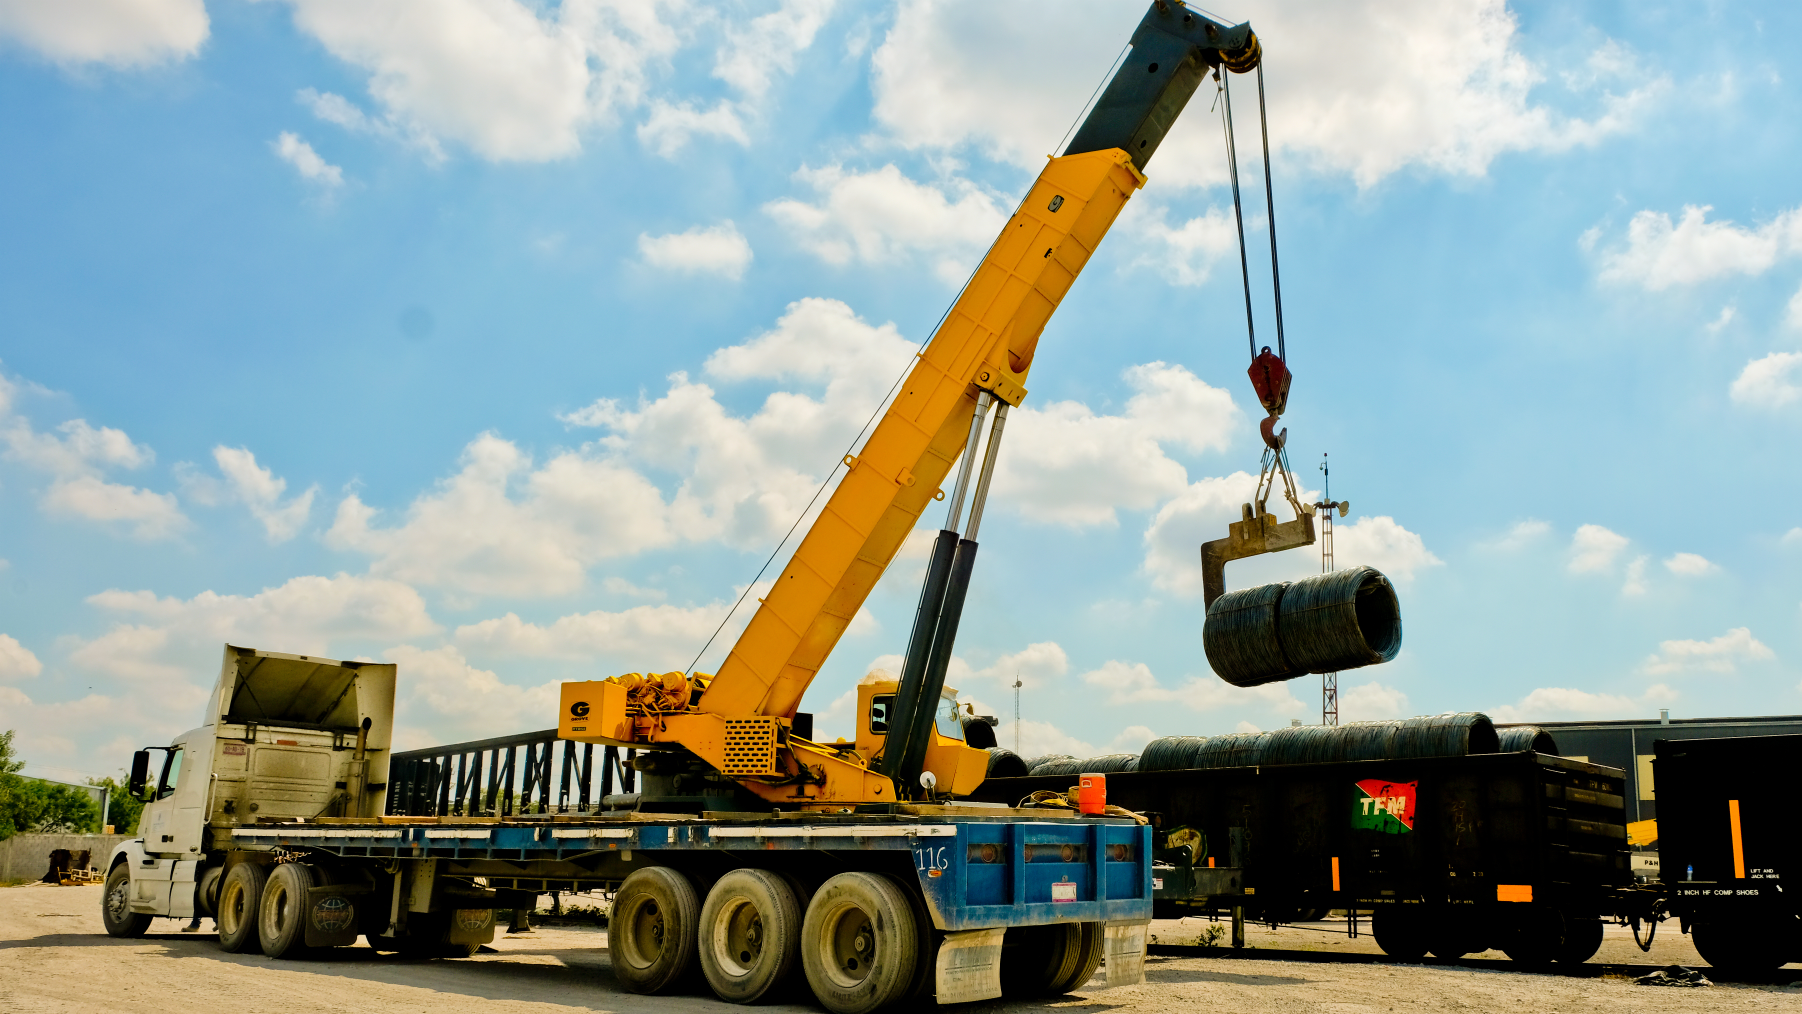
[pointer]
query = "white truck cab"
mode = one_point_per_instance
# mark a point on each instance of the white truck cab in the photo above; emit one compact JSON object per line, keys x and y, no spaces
{"x":283,"y":737}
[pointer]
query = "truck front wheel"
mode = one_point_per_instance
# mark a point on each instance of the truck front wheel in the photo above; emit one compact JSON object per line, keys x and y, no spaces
{"x":859,"y":944}
{"x":282,"y":914}
{"x":651,"y":930}
{"x":115,"y":905}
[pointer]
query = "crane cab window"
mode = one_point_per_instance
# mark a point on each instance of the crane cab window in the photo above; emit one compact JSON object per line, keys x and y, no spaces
{"x":171,"y":774}
{"x":879,"y":713}
{"x":951,"y":726}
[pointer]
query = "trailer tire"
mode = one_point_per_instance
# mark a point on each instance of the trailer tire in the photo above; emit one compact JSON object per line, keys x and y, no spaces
{"x":1582,"y":939}
{"x":1040,"y":961}
{"x":1089,"y":950}
{"x":749,"y":935}
{"x":115,"y":905}
{"x":282,"y":913}
{"x":859,"y":944}
{"x":1399,"y":933}
{"x":239,"y":900}
{"x":651,"y":930}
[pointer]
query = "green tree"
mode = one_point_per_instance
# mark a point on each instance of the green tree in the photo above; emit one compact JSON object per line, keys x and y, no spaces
{"x":9,"y":782}
{"x":122,"y":810}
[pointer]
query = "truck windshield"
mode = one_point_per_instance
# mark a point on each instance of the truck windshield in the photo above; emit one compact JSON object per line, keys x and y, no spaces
{"x":950,"y":725}
{"x":171,"y":775}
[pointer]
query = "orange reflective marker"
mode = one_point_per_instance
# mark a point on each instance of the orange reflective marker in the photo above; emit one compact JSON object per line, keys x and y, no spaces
{"x":1739,"y":850}
{"x":1335,"y":873}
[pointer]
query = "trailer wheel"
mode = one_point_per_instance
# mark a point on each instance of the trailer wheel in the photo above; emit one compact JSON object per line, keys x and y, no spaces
{"x":282,"y":915}
{"x":750,"y":935}
{"x":115,"y":905}
{"x":239,"y":900}
{"x":1582,"y":939}
{"x":1739,"y":947}
{"x":1089,"y":949}
{"x":651,"y":930}
{"x":859,"y":944}
{"x":1399,"y":933}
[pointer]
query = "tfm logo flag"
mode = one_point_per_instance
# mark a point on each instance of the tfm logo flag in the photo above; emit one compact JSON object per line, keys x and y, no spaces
{"x":1378,"y":805}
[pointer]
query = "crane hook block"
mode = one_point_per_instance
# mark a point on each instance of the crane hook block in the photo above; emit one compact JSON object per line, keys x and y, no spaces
{"x":1270,"y":378}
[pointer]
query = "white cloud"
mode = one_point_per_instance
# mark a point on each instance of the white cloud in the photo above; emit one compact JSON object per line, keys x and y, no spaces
{"x":1132,"y":739}
{"x":1689,"y":565}
{"x":340,"y":111}
{"x":940,"y":82}
{"x":671,"y":125}
{"x":1038,"y":739}
{"x":16,"y":660}
{"x":1594,"y":548}
{"x":1520,"y":535}
{"x":718,"y":249}
{"x":1369,"y":702}
{"x":1553,"y":703}
{"x":472,"y":534}
{"x":444,"y":699}
{"x":883,"y":217}
{"x":496,"y":75}
{"x":647,"y":638}
{"x":755,"y":51}
{"x":504,"y":525}
{"x":1721,"y":654}
{"x":1134,"y":683}
{"x":76,"y":460}
{"x":1793,"y":537}
{"x":1771,"y":382}
{"x":1658,"y":254}
{"x":1635,"y":583}
{"x":1378,"y":541}
{"x":1726,"y":317}
{"x":258,"y":488}
{"x":1064,"y":464}
{"x":1184,"y":254}
{"x":306,"y":161}
{"x":1793,"y":317}
{"x":122,"y":33}
{"x":148,"y":676}
{"x":150,"y":516}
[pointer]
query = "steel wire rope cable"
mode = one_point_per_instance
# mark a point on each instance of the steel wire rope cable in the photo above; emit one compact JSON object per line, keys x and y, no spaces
{"x":1276,"y":277}
{"x":1232,"y":163}
{"x":903,"y":375}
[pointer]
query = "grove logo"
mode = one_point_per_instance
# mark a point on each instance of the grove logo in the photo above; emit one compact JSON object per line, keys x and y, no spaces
{"x":1383,"y":806}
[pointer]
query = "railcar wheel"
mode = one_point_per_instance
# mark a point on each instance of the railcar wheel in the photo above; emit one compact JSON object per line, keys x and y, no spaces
{"x":1582,"y":939}
{"x":1738,"y":947}
{"x":239,"y":899}
{"x":282,"y":913}
{"x":1399,"y":933}
{"x":115,"y":905}
{"x":651,"y":930}
{"x":859,"y":944}
{"x":750,"y":935}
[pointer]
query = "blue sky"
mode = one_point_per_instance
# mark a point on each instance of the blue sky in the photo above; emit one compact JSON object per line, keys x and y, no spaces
{"x":504,"y":340}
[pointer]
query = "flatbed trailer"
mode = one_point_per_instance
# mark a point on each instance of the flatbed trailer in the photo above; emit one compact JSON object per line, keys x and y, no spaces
{"x":970,"y":878}
{"x":1449,"y":855}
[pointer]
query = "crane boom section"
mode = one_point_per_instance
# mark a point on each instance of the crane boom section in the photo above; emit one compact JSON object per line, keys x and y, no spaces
{"x":986,"y":342}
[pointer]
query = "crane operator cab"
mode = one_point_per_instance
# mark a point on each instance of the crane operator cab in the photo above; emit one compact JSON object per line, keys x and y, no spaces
{"x":957,"y":768}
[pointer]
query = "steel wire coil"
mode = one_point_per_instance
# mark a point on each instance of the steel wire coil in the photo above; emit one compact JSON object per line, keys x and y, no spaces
{"x":1171,"y":753}
{"x":1525,"y":737}
{"x":1330,"y":623}
{"x":1004,"y":763}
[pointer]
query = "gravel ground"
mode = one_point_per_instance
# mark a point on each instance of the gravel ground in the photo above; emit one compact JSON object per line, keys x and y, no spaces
{"x":54,"y":957}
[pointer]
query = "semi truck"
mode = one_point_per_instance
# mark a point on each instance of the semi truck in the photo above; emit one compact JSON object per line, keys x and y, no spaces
{"x":269,"y":818}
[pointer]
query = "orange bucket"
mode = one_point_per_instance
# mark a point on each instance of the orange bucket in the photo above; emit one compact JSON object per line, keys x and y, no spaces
{"x":1091,"y":794}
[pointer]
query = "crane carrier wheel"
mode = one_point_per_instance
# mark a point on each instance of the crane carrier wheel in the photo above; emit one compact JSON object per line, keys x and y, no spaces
{"x":749,"y":935}
{"x":651,"y":931}
{"x":859,"y":944}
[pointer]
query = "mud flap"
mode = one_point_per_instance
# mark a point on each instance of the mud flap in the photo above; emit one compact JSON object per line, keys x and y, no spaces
{"x":969,"y":966}
{"x":1125,"y":952}
{"x":471,"y":926}
{"x":332,"y":916}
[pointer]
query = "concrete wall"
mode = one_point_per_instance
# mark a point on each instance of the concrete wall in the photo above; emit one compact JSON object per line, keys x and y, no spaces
{"x":27,"y":856}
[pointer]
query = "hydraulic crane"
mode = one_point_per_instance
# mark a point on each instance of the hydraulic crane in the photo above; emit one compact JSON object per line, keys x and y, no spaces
{"x":743,"y":724}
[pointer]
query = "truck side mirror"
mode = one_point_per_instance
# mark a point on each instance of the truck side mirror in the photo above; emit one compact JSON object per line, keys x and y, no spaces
{"x":140,"y":773}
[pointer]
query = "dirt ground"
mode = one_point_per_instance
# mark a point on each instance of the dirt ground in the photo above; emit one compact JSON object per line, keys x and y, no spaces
{"x":54,"y":957}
